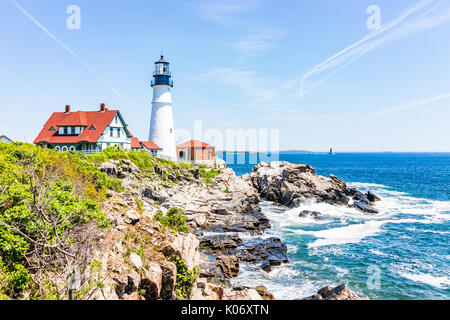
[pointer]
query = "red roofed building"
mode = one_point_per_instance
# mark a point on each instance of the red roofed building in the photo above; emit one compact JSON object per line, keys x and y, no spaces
{"x":148,"y":146}
{"x":86,"y":131}
{"x":195,"y":150}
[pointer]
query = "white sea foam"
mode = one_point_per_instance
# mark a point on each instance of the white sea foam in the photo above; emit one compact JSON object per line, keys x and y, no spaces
{"x":350,"y":234}
{"x":435,"y":281}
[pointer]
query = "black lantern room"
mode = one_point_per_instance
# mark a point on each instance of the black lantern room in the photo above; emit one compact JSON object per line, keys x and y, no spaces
{"x":162,"y":74}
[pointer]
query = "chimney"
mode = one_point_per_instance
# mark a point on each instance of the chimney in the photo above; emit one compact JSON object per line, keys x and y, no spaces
{"x":67,"y":108}
{"x":102,"y":107}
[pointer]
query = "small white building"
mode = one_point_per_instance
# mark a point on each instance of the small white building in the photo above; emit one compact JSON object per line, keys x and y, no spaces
{"x":5,"y":139}
{"x":85,"y":131}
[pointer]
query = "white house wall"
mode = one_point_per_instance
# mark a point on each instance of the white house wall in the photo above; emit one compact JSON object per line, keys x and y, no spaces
{"x":107,"y":141}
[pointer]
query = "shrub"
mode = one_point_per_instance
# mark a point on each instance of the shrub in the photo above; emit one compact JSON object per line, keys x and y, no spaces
{"x":185,"y":278}
{"x":208,"y":175}
{"x":174,"y":220}
{"x":49,"y":213}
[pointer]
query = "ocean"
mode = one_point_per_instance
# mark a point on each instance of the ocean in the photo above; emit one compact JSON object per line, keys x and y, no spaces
{"x":401,"y":253}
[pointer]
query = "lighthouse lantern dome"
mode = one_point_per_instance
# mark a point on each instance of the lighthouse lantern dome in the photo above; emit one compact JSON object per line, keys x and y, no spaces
{"x":162,"y":73}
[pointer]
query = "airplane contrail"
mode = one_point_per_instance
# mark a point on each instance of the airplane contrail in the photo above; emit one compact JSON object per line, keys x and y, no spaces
{"x":353,"y":52}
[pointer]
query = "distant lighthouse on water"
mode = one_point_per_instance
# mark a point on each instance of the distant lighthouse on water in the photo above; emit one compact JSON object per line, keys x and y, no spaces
{"x":162,"y":131}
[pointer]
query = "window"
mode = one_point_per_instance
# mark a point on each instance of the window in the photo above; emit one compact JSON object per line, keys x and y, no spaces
{"x":66,"y":130}
{"x":52,"y":129}
{"x":111,"y":132}
{"x":118,"y":132}
{"x":64,"y":149}
{"x":171,"y":131}
{"x":92,"y":128}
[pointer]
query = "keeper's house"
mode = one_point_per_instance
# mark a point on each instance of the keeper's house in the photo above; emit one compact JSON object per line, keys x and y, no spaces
{"x":85,"y":131}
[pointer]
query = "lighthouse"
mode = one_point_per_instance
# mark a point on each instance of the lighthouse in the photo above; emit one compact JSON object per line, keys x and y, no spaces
{"x":162,"y":131}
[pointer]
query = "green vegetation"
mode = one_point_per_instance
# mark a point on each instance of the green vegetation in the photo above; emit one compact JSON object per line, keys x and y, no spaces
{"x":49,"y":209}
{"x":185,"y":278}
{"x":174,"y":220}
{"x":208,"y":175}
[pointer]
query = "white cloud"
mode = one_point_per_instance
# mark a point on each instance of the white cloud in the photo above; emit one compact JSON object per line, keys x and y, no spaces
{"x":258,"y":42}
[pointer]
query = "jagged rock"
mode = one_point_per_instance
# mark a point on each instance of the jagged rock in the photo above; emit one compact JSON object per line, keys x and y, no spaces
{"x":136,"y":260}
{"x":108,"y":168}
{"x":245,"y":294}
{"x":292,"y":184}
{"x":127,"y":284}
{"x":187,"y":245}
{"x":131,"y":217}
{"x":364,"y":207}
{"x":372,"y":197}
{"x":157,"y":195}
{"x":229,"y":266}
{"x":270,"y":250}
{"x":359,"y":196}
{"x":169,"y":277}
{"x":306,"y":213}
{"x":220,"y":242}
{"x":264,"y":293}
{"x":151,"y":282}
{"x":341,"y":292}
{"x":210,"y":270}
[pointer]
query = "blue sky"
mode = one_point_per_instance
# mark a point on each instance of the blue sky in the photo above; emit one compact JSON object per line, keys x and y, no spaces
{"x":311,"y":69}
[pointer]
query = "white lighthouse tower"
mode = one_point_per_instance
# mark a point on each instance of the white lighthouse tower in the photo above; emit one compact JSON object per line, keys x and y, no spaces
{"x":162,"y":131}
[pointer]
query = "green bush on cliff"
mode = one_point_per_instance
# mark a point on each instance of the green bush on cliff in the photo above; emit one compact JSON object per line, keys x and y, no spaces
{"x":185,"y":278}
{"x":174,"y":220}
{"x":46,"y":198}
{"x":208,"y":175}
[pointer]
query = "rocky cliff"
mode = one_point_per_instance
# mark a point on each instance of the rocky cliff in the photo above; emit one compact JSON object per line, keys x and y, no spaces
{"x":129,"y":226}
{"x":218,"y":210}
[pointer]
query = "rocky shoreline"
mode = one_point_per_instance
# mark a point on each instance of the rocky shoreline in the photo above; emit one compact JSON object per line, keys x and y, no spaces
{"x":226,"y":226}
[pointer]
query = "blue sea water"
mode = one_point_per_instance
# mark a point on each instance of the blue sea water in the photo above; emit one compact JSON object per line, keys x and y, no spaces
{"x":401,"y":253}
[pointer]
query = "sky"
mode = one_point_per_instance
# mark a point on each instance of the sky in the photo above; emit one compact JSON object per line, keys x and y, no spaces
{"x":313,"y":74}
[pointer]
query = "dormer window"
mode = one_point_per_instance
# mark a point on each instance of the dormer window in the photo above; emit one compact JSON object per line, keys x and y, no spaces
{"x":92,"y":128}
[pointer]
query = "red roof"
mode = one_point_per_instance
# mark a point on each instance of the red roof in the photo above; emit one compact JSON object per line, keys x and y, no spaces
{"x":195,"y":144}
{"x":150,"y":145}
{"x":135,"y":143}
{"x":87,"y":119}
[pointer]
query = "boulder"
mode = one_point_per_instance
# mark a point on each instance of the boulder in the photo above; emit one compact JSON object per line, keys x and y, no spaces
{"x":292,"y":184}
{"x":313,"y":214}
{"x":264,"y":293}
{"x":364,"y":207}
{"x":136,"y":260}
{"x":151,"y":281}
{"x":169,"y":278}
{"x":229,"y":266}
{"x":245,"y":294}
{"x":372,"y":197}
{"x":341,"y":292}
